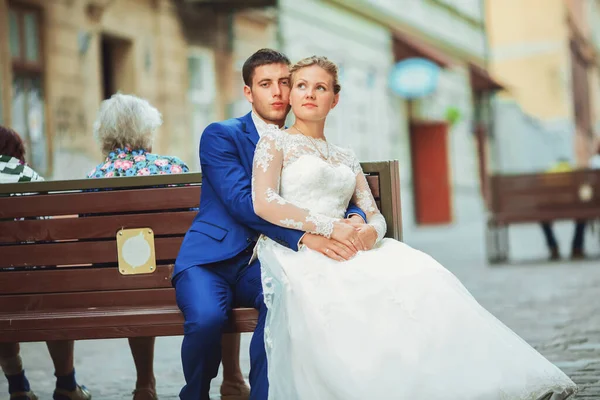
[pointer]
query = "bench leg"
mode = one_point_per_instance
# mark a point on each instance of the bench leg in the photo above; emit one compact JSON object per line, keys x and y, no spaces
{"x":496,"y":243}
{"x":504,"y":243}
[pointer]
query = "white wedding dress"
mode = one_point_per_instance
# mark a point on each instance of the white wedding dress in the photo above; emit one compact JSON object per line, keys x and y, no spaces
{"x":391,"y":323}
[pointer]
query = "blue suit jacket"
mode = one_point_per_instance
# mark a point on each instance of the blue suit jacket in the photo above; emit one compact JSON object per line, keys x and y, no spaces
{"x":226,"y":223}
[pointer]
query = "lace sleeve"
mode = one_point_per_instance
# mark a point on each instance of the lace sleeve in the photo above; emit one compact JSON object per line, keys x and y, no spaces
{"x":363,"y":198}
{"x":268,"y":204}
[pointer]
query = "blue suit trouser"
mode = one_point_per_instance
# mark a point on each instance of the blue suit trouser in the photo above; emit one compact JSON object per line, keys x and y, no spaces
{"x":206,"y":294}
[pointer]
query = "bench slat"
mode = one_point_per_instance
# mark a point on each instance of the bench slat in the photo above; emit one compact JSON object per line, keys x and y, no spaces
{"x":113,"y":201}
{"x":78,"y":253}
{"x":63,"y":302}
{"x":373,"y":181}
{"x":96,"y":227}
{"x":537,"y":197}
{"x":120,"y":330}
{"x":87,"y":318}
{"x":81,"y":280}
{"x":64,"y":326}
{"x":122,"y":182}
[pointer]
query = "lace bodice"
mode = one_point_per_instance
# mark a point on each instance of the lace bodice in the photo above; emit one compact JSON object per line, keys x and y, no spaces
{"x":306,"y":184}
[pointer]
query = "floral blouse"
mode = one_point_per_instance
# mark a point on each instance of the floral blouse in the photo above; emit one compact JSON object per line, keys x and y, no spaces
{"x":127,"y":162}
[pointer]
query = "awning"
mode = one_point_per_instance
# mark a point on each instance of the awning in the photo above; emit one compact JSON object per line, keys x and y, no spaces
{"x":482,"y":81}
{"x":232,"y":4}
{"x":406,"y":46}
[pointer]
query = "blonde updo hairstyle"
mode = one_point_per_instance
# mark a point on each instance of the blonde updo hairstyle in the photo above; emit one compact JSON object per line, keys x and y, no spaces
{"x":322,"y":62}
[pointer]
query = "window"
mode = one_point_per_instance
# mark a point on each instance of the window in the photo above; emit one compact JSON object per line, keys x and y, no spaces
{"x":25,"y":39}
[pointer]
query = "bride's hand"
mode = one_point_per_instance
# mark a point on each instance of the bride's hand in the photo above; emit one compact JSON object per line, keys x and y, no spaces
{"x":346,"y":234}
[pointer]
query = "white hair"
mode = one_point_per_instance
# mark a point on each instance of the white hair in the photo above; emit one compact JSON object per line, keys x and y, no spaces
{"x":126,"y":121}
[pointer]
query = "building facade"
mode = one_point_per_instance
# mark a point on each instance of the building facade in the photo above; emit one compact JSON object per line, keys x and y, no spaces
{"x":61,"y":58}
{"x":548,"y":62}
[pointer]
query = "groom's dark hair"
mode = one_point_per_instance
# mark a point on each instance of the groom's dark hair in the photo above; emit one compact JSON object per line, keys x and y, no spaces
{"x":262,"y":57}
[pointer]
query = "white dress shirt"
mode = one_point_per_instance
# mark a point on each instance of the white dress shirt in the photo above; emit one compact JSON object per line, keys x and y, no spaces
{"x":261,"y":126}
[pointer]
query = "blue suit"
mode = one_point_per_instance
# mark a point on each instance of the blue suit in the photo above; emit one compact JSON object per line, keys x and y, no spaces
{"x":212,"y":274}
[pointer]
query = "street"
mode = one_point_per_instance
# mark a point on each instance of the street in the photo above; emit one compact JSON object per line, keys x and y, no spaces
{"x":553,"y":306}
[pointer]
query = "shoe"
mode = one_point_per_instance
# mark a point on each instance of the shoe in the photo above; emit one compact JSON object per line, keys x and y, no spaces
{"x":554,"y":254}
{"x":23,"y":396}
{"x":235,"y":391}
{"x":80,"y":393}
{"x":144,"y":394}
{"x":577,"y":254}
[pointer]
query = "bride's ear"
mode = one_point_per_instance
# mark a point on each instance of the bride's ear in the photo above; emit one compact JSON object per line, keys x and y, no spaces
{"x":336,"y":100}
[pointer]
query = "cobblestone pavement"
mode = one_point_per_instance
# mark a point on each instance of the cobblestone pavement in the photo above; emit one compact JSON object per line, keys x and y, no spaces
{"x":553,"y":306}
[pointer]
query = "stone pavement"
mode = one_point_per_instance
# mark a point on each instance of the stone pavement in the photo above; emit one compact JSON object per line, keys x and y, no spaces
{"x":553,"y":306}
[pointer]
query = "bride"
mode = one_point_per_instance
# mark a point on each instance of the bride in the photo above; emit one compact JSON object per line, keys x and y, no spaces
{"x":391,"y":323}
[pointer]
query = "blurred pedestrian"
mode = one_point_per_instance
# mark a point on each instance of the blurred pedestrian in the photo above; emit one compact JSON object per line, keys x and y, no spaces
{"x":577,"y":253}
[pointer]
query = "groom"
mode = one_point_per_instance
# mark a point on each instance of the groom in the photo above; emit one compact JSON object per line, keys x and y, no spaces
{"x":212,"y":272}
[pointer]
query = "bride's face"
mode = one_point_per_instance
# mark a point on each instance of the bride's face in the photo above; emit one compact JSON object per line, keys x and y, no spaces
{"x":312,"y":94}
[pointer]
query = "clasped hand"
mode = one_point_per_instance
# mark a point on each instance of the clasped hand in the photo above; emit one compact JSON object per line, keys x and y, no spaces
{"x":349,"y":236}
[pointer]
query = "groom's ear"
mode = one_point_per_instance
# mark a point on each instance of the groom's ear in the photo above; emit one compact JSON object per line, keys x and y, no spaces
{"x":336,"y":100}
{"x":248,"y":94}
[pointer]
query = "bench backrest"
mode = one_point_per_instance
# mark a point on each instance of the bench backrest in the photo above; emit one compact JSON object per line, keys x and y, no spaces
{"x":545,"y":196}
{"x":85,"y":216}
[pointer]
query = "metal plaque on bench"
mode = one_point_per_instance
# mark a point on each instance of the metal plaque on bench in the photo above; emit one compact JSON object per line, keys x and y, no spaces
{"x":135,"y":248}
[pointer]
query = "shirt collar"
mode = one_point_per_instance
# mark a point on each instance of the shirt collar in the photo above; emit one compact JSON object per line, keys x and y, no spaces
{"x":126,"y":150}
{"x":261,"y":126}
{"x":11,"y":160}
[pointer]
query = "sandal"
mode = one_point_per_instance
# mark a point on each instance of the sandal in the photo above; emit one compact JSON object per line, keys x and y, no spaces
{"x":23,"y":396}
{"x":80,"y":393}
{"x":151,"y":393}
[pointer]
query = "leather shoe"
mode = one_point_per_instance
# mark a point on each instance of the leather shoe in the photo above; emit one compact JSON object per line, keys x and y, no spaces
{"x":23,"y":396}
{"x":80,"y":393}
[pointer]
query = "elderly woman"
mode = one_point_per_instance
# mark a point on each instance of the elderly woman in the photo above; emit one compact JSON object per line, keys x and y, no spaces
{"x":13,"y":169}
{"x":125,"y":128}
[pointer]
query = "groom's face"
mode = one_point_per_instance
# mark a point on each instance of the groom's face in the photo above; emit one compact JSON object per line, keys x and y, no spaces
{"x":270,"y":92}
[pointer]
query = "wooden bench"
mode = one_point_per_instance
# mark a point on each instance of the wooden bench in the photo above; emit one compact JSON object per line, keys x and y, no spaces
{"x":536,"y":198}
{"x":60,"y":278}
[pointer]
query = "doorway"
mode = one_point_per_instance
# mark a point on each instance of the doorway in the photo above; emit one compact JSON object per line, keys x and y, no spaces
{"x":431,"y":179}
{"x":117,"y":66}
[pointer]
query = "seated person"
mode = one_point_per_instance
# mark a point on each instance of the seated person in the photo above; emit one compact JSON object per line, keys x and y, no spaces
{"x":125,"y":127}
{"x":13,"y":169}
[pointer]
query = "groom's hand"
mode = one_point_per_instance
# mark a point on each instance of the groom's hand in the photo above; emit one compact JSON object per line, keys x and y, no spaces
{"x":328,"y":247}
{"x":354,"y":219}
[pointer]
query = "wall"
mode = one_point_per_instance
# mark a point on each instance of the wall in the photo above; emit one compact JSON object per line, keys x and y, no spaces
{"x":73,"y":77}
{"x":526,"y":144}
{"x":252,"y":30}
{"x":530,"y":54}
{"x":456,"y":25}
{"x":370,"y":119}
{"x":4,"y":69}
{"x":367,"y":118}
